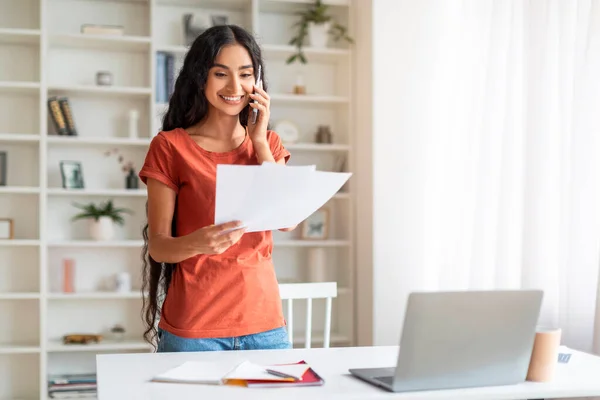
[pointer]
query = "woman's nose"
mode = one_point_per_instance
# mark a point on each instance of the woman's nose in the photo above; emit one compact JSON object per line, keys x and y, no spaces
{"x":234,"y":83}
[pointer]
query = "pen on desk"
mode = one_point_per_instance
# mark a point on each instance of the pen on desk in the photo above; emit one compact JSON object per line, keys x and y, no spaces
{"x":281,"y":374}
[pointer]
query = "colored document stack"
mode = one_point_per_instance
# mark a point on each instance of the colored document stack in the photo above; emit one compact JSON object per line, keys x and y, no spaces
{"x":272,"y":196}
{"x":245,"y":373}
{"x":71,"y":386}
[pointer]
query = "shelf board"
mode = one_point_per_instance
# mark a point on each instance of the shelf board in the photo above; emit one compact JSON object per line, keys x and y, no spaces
{"x":295,"y":98}
{"x":57,"y":346}
{"x":308,"y":98}
{"x":231,"y":5}
{"x":19,"y":137}
{"x":19,"y":190}
{"x":94,"y":296}
{"x":311,"y":243}
{"x":290,"y":6}
{"x":274,"y":49}
{"x":18,"y":349}
{"x":101,"y":42}
{"x":313,"y":53}
{"x":316,"y":147}
{"x":98,"y":192}
{"x":177,"y":49}
{"x":93,"y":90}
{"x":80,"y":140}
{"x":19,"y":242}
{"x":326,"y":2}
{"x":19,"y":36}
{"x":19,"y":87}
{"x":19,"y":296}
{"x":100,"y":244}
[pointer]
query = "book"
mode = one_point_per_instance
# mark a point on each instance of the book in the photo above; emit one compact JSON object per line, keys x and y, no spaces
{"x":65,"y":107}
{"x":58,"y":118}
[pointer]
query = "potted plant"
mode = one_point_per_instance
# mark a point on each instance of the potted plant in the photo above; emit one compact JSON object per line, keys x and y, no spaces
{"x":102,"y":218}
{"x":318,"y":25}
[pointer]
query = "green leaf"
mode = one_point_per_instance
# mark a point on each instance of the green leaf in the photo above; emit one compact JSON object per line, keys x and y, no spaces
{"x":291,"y":59}
{"x":105,"y":209}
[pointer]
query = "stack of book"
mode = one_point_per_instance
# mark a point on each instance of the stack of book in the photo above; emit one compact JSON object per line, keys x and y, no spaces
{"x":165,"y":76}
{"x":62,"y":116}
{"x":71,"y":386}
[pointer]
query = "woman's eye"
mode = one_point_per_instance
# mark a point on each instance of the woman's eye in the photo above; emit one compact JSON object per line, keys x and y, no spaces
{"x":246,"y":75}
{"x":219,"y":74}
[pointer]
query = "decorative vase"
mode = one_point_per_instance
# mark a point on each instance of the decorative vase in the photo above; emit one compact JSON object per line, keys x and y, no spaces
{"x":68,"y":275}
{"x":123,"y":282}
{"x":102,"y":229}
{"x":134,"y":117}
{"x":324,"y":135}
{"x":131,"y":181}
{"x":318,"y":34}
{"x":317,"y":265}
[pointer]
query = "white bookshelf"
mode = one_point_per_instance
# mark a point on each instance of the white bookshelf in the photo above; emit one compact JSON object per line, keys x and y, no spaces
{"x":42,"y":54}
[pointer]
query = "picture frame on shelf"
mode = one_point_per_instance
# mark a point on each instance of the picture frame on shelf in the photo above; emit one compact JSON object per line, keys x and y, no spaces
{"x":7,"y":228}
{"x":72,"y":175}
{"x":316,"y":226}
{"x":3,"y":167}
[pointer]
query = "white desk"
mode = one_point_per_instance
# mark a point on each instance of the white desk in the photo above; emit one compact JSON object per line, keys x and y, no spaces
{"x":126,"y":377}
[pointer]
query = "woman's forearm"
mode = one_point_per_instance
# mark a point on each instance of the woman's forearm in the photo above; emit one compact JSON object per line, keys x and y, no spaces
{"x":171,"y":250}
{"x":263,"y":152}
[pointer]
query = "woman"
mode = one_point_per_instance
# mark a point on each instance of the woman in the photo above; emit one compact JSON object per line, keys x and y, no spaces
{"x":219,"y":285}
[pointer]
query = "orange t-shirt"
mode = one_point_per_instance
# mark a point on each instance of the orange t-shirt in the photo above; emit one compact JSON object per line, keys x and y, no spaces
{"x":230,"y":294}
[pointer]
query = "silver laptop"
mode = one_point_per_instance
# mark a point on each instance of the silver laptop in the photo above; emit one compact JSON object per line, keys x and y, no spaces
{"x":462,"y":339}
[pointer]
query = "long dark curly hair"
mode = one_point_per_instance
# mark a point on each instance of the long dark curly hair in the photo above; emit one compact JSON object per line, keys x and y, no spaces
{"x":188,"y":106}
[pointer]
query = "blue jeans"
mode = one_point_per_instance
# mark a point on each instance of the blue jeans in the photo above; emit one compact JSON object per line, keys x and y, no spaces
{"x":273,"y":339}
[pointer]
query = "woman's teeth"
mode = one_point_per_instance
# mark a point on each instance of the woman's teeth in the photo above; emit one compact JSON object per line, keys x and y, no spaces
{"x":237,"y":98}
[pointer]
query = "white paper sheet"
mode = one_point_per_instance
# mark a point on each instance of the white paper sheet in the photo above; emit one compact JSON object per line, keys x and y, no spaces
{"x":196,"y":372}
{"x":272,"y":196}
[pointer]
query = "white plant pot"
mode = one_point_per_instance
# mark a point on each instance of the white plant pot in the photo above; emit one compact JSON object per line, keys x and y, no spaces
{"x":103,"y":229}
{"x":318,"y":34}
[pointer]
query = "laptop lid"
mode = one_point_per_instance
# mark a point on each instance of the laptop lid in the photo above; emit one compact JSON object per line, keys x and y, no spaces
{"x":466,"y":339}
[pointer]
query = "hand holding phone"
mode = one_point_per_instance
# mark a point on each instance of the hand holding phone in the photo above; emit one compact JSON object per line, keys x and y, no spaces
{"x":259,"y":84}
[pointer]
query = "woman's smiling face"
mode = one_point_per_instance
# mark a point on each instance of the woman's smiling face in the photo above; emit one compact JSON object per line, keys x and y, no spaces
{"x":230,"y":80}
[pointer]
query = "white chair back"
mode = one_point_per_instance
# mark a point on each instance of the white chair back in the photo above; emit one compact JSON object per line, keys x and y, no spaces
{"x":308,"y":291}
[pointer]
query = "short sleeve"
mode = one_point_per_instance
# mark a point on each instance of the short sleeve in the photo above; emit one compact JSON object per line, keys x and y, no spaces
{"x":160,"y":164}
{"x":277,"y":148}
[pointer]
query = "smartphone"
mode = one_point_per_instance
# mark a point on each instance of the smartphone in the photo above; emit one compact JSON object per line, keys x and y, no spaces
{"x":259,"y":84}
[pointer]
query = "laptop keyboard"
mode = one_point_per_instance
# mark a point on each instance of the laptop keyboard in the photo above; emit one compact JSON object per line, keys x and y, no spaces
{"x":385,"y":379}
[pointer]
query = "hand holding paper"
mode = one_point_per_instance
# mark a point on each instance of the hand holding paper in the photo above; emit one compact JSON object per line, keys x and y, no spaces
{"x":271,"y":196}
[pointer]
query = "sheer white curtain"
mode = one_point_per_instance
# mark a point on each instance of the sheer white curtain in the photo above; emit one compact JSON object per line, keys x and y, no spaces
{"x":512,"y":171}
